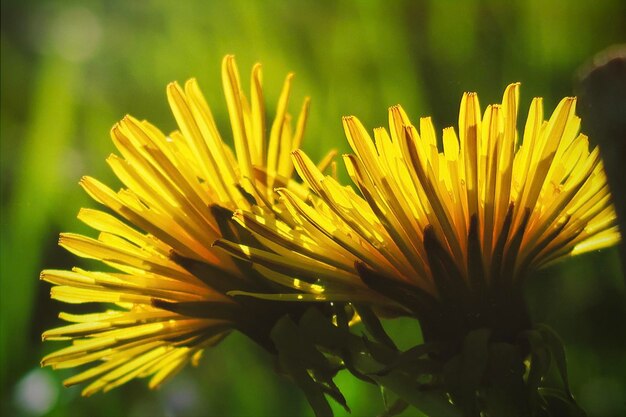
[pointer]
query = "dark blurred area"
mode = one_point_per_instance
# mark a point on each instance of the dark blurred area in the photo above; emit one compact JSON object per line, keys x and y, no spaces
{"x":71,"y":69}
{"x":602,"y":92}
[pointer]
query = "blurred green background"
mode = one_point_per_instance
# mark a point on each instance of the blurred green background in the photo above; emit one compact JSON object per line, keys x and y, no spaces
{"x":71,"y":69}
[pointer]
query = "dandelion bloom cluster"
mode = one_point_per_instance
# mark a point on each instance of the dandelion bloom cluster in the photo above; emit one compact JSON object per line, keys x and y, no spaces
{"x":204,"y":240}
{"x":452,"y":226}
{"x":166,"y":284}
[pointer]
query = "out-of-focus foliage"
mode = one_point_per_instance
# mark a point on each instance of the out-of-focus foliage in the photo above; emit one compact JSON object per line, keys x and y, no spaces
{"x":71,"y":69}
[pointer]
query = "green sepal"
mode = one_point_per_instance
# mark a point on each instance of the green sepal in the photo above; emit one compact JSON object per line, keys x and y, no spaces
{"x":451,"y":286}
{"x":555,"y":344}
{"x":393,"y":404}
{"x":234,"y":232}
{"x":203,"y":309}
{"x":559,"y":404}
{"x":432,"y":402}
{"x":464,"y":373}
{"x":540,"y":359}
{"x":343,"y":322}
{"x":504,"y":393}
{"x":341,"y":342}
{"x":416,"y":359}
{"x":294,"y":357}
{"x":211,"y":275}
{"x":475,"y":267}
{"x":497,"y":255}
{"x":373,"y":326}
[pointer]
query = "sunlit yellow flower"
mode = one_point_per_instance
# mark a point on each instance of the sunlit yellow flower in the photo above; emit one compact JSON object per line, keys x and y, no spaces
{"x":451,"y":221}
{"x":166,"y":285}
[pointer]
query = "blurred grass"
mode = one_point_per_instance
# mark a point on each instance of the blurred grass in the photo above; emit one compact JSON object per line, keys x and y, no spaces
{"x":71,"y":69}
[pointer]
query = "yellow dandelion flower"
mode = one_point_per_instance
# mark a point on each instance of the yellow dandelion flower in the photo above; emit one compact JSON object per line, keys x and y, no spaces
{"x":456,"y":223}
{"x":166,"y":284}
